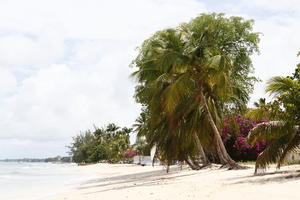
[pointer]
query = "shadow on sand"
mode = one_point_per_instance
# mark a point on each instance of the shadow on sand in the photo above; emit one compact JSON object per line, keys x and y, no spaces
{"x":160,"y":177}
{"x":156,"y":177}
{"x":264,"y":178}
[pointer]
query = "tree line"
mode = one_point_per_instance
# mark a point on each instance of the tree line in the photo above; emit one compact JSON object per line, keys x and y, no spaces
{"x":103,"y":144}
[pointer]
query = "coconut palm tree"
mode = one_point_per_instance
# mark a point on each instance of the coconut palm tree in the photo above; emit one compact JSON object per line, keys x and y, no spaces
{"x":261,"y":103}
{"x":177,"y":86}
{"x":188,"y":74}
{"x":264,"y":111}
{"x":283,"y":136}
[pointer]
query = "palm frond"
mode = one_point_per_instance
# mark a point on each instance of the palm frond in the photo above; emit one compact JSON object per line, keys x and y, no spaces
{"x":175,"y":92}
{"x":257,"y":114}
{"x":272,"y":153}
{"x":278,"y":85}
{"x":270,"y":130}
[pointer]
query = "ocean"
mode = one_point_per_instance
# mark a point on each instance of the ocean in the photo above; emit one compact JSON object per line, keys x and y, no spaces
{"x":37,"y":181}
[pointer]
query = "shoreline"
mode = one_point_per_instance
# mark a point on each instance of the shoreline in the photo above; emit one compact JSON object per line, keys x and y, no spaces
{"x":125,"y":181}
{"x":38,"y":181}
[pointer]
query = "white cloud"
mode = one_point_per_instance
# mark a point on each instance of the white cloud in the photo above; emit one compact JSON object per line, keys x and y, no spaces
{"x":33,"y":33}
{"x":21,"y":50}
{"x":272,"y":5}
{"x":58,"y":102}
{"x":8,"y":82}
{"x":279,"y":46}
{"x":96,"y":18}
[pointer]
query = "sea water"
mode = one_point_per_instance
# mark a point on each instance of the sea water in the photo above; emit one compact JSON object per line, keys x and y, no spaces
{"x":37,"y":181}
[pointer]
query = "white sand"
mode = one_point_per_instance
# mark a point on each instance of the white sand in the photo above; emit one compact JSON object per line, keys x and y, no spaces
{"x":144,"y":183}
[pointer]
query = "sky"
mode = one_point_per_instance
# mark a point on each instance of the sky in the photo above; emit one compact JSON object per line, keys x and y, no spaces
{"x":64,"y":64}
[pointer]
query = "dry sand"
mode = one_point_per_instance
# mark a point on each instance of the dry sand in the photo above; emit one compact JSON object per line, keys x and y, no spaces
{"x":144,"y":183}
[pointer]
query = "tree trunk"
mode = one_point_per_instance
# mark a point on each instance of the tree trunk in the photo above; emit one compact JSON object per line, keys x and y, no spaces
{"x":154,"y":156}
{"x":202,"y":153}
{"x":168,"y":167}
{"x":221,"y":150}
{"x":191,"y":164}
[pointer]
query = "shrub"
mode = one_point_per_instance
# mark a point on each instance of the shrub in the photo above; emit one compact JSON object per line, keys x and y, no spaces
{"x":234,"y":135}
{"x":129,"y":154}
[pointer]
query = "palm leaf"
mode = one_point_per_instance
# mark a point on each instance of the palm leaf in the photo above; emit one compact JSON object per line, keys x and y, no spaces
{"x":175,"y":92}
{"x":269,"y":130}
{"x":272,"y":153}
{"x":258,"y":114}
{"x":279,"y":85}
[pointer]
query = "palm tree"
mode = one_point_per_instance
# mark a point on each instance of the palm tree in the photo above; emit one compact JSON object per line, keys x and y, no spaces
{"x":261,"y":111}
{"x":261,"y":102}
{"x":112,"y":127}
{"x":140,"y":127}
{"x":283,"y":135}
{"x":187,"y":75}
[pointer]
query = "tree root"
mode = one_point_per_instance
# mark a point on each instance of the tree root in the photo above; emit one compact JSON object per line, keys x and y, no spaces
{"x":234,"y":167}
{"x":206,"y":166}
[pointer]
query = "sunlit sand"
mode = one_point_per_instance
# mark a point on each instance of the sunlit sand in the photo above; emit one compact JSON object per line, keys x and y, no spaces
{"x":137,"y":182}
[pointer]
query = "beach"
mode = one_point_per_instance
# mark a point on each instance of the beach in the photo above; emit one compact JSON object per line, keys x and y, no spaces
{"x":135,"y":182}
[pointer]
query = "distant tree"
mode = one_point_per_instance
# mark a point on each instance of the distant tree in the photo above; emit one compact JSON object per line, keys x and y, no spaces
{"x":82,"y":145}
{"x":66,"y":159}
{"x":142,"y":146}
{"x":264,"y":110}
{"x":103,"y":144}
{"x":261,"y":102}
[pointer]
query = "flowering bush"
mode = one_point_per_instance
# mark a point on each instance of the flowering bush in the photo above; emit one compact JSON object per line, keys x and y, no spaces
{"x":129,"y":154}
{"x":234,"y":135}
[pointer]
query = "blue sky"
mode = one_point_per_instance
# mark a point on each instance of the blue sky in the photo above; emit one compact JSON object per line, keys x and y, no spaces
{"x":64,"y":64}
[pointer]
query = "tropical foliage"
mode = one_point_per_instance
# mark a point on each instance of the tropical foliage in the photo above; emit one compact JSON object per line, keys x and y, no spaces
{"x":103,"y":144}
{"x":189,"y":76}
{"x":264,"y":111}
{"x":283,"y":135}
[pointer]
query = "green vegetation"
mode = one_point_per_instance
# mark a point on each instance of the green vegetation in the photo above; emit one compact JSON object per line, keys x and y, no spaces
{"x":103,"y":144}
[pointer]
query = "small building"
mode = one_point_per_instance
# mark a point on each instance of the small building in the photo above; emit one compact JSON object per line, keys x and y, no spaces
{"x":146,"y":160}
{"x":142,"y":160}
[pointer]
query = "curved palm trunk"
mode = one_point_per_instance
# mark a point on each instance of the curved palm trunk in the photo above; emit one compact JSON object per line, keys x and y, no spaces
{"x":154,"y":152}
{"x":191,"y":164}
{"x":154,"y":157}
{"x":224,"y":158}
{"x":202,"y":153}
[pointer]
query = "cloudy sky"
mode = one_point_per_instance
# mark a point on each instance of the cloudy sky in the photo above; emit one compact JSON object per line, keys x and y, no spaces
{"x":64,"y":64}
